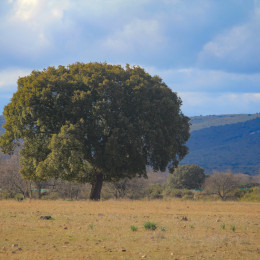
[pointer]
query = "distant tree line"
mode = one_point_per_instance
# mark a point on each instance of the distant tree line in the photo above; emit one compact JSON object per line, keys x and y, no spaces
{"x":186,"y":182}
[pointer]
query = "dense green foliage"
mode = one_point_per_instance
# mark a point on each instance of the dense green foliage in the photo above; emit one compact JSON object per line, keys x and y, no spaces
{"x":94,"y":122}
{"x":234,"y":147}
{"x":225,"y":147}
{"x":186,"y":177}
{"x":200,"y":122}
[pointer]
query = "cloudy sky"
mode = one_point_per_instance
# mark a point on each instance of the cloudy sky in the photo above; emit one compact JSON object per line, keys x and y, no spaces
{"x":208,"y":51}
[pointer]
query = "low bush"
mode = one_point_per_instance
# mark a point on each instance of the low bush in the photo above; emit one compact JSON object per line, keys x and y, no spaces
{"x":4,"y":194}
{"x":133,"y":228}
{"x":51,"y":196}
{"x":154,"y":191}
{"x":150,"y":226}
{"x":180,"y":193}
{"x":19,"y":197}
{"x":175,"y":193}
{"x":252,"y":194}
{"x":239,"y":193}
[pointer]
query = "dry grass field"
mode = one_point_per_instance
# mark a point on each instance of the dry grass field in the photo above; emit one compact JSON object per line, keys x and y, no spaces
{"x":101,"y":230}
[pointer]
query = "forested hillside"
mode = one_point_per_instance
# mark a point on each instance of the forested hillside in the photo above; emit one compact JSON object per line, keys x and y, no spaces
{"x":200,"y":122}
{"x":232,"y":146}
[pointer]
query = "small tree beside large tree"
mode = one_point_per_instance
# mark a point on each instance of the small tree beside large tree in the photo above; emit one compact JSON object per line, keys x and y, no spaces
{"x":94,"y":122}
{"x":186,"y":177}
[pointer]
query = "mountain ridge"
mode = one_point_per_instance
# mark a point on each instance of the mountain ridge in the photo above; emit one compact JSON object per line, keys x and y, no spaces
{"x":231,"y":146}
{"x":200,"y":122}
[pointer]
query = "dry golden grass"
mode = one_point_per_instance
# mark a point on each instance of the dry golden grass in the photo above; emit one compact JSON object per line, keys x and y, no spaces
{"x":101,"y":230}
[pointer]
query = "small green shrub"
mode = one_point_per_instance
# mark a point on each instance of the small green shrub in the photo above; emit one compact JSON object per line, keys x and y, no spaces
{"x":155,"y":191}
{"x":188,"y":197}
{"x":133,"y":228}
{"x":150,"y":226}
{"x":233,"y":228}
{"x":187,"y":194}
{"x":163,"y":229}
{"x":4,"y":194}
{"x":91,"y":226}
{"x":19,"y":197}
{"x":223,"y":226}
{"x":175,"y":193}
{"x":239,"y":193}
{"x":52,"y":196}
{"x":252,"y":194}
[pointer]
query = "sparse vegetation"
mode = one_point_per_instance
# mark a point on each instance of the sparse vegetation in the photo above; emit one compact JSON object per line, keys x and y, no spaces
{"x":69,"y":234}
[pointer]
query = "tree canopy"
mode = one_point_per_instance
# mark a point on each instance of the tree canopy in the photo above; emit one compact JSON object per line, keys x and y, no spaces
{"x":187,"y":177}
{"x":94,"y":122}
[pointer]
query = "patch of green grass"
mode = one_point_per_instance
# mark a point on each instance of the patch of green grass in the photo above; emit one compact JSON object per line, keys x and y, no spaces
{"x":223,"y":226}
{"x":163,"y":228}
{"x":133,"y":228}
{"x":233,"y":228}
{"x":91,"y":226}
{"x":150,"y":225}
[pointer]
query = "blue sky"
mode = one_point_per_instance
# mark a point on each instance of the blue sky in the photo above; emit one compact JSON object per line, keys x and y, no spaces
{"x":208,"y":51}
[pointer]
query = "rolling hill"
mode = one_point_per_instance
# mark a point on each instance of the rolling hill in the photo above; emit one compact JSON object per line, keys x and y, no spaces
{"x":230,"y":146}
{"x":200,"y":122}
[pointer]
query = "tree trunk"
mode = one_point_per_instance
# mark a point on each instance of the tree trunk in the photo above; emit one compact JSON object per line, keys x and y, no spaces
{"x":31,"y":194}
{"x":96,"y":187}
{"x":39,"y":187}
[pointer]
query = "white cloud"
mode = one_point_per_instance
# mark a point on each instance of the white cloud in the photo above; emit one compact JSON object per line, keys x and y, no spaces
{"x":236,"y":49}
{"x":28,"y":27}
{"x":9,"y":77}
{"x":38,"y":15}
{"x":198,"y":80}
{"x":203,"y":103}
{"x":38,"y":11}
{"x":27,"y":9}
{"x":138,"y":34}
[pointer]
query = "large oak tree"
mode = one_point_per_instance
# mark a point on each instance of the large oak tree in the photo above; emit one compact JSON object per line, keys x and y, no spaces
{"x":94,"y":122}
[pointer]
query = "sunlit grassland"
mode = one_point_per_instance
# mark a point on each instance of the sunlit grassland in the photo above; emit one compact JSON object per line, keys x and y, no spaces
{"x":102,"y":230}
